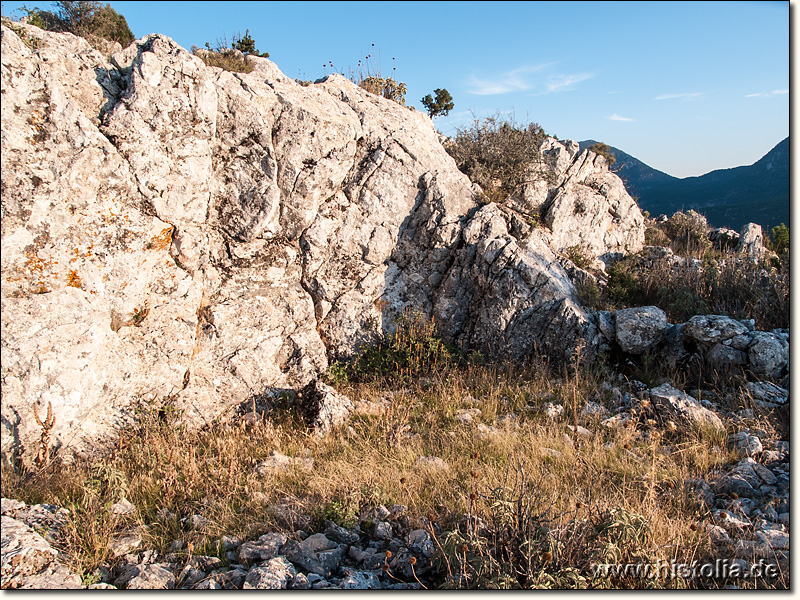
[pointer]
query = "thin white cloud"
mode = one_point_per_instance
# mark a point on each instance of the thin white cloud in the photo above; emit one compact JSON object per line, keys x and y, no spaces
{"x":516,"y":80}
{"x":525,"y":79}
{"x":616,"y":117}
{"x":767,"y":94}
{"x":682,"y":96}
{"x":562,"y":83}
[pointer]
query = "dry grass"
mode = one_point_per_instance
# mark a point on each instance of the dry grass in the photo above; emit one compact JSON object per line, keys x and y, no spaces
{"x":723,"y":284}
{"x":503,"y":478}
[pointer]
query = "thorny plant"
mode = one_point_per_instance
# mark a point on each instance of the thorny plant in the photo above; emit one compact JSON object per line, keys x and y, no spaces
{"x":44,"y":443}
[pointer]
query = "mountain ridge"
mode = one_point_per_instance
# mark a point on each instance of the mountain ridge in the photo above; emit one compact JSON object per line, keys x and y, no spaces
{"x":727,"y":197}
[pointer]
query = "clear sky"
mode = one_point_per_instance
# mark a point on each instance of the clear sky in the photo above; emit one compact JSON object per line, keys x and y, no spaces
{"x":686,"y":87}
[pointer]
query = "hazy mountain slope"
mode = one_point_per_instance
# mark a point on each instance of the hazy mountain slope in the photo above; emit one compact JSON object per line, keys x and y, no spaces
{"x":728,"y":197}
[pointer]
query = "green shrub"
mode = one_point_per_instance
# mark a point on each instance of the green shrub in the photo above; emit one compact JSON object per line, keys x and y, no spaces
{"x":653,"y":236}
{"x":247,"y":45}
{"x":415,"y":349}
{"x":578,"y":257}
{"x":604,"y":150}
{"x":85,"y":18}
{"x":780,"y":239}
{"x":623,"y":284}
{"x":497,"y":154}
{"x":442,"y":105}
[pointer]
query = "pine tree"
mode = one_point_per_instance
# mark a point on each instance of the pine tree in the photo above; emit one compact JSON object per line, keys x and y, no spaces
{"x":442,"y":105}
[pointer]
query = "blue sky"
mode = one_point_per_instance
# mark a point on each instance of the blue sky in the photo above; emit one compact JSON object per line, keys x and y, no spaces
{"x":687,"y":87}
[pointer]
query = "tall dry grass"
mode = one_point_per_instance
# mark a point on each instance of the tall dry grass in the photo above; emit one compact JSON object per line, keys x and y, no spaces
{"x":547,"y":502}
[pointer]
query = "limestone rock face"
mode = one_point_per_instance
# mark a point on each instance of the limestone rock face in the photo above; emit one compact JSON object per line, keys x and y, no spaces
{"x":177,"y":233}
{"x":583,"y":203}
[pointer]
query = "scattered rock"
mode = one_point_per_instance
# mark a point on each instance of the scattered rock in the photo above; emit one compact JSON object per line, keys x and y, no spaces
{"x":124,"y":543}
{"x":551,"y":452}
{"x":151,"y":577}
{"x":744,"y":443}
{"x":767,"y":394}
{"x":274,"y":574}
{"x":553,"y":411}
{"x":712,"y":328}
{"x":751,"y":241}
{"x":278,"y":462}
{"x":123,"y":507}
{"x":266,"y":547}
{"x":28,"y":561}
{"x":323,"y":407}
{"x":683,"y":408}
{"x":359,"y":580}
{"x":466,"y":415}
{"x":699,"y":490}
{"x":769,"y":354}
{"x":765,"y":474}
{"x":582,"y":431}
{"x":593,"y":410}
{"x":639,"y":329}
{"x":433,"y":463}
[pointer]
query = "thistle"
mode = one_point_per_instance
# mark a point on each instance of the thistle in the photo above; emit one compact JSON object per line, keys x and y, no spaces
{"x":44,"y":442}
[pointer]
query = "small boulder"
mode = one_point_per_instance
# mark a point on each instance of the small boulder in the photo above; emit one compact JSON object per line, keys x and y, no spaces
{"x":324,"y":408}
{"x":768,"y":394}
{"x":433,"y":463}
{"x":723,"y":357}
{"x":639,"y":329}
{"x":265,"y":548}
{"x":769,"y":354}
{"x":274,"y":574}
{"x":592,"y":410}
{"x":466,"y":415}
{"x":553,"y":411}
{"x":744,"y":443}
{"x":278,"y":462}
{"x":751,"y":241}
{"x":712,"y":328}
{"x":682,"y":407}
{"x":151,"y":577}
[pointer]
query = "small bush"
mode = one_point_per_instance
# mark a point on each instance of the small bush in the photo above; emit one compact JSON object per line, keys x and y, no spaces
{"x":415,"y":349}
{"x":687,"y":234}
{"x":578,"y":257}
{"x":731,"y":286}
{"x":442,"y":105}
{"x":386,"y":87}
{"x":653,"y":236}
{"x":227,"y":59}
{"x":497,"y":154}
{"x":604,"y":150}
{"x":780,"y":239}
{"x":85,"y":18}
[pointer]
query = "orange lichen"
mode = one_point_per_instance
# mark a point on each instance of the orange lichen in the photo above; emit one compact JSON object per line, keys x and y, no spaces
{"x":73,"y":279}
{"x":162,"y":240}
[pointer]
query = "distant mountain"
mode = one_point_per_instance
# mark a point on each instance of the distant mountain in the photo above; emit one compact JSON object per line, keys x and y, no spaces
{"x":727,"y":197}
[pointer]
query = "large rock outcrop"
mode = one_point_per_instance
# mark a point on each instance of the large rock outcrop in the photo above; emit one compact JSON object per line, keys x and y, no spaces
{"x":176,"y":232}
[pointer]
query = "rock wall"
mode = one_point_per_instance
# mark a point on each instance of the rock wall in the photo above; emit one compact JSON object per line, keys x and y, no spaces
{"x":172,"y":231}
